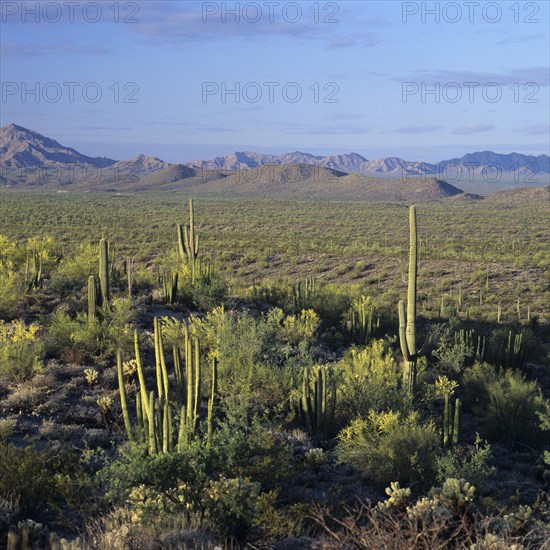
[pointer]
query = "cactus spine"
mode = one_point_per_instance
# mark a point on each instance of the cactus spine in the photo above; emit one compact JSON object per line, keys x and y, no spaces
{"x":104,"y":270}
{"x":407,"y":318}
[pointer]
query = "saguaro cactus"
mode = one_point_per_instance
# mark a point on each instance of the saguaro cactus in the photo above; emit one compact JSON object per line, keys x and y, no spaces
{"x":407,"y":318}
{"x":188,"y":242}
{"x":104,"y":270}
{"x":92,"y":298}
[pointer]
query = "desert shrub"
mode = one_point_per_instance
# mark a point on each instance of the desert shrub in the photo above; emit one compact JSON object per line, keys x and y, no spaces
{"x":370,"y":379}
{"x":300,"y":328}
{"x":469,"y":463}
{"x":42,"y":481}
{"x":474,"y":381}
{"x":231,"y":505}
{"x":208,"y":291}
{"x":388,"y":446}
{"x":451,"y":353}
{"x":72,"y":272}
{"x":20,"y":350}
{"x":512,"y":408}
{"x":221,"y":480}
{"x":11,"y":290}
{"x":110,"y":331}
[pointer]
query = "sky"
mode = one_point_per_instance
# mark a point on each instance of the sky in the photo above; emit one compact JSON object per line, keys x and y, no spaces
{"x":185,"y":80}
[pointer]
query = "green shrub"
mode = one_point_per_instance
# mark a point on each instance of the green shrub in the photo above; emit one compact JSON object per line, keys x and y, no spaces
{"x":73,"y":272}
{"x":470,"y":464}
{"x":20,"y":350}
{"x":208,"y":291}
{"x":512,"y":408}
{"x":387,"y":446}
{"x":370,"y":379}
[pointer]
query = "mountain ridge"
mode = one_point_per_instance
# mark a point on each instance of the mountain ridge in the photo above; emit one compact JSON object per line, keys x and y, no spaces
{"x":28,"y":157}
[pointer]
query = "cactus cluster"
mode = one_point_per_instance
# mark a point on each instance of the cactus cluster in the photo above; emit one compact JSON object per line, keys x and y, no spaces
{"x":451,"y":422}
{"x":154,"y":410}
{"x":362,"y":319}
{"x":303,"y":292}
{"x":317,"y":405}
{"x":170,"y":286}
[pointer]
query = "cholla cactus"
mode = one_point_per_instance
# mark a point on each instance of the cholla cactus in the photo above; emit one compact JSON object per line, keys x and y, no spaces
{"x":520,"y":518}
{"x":397,"y":496}
{"x":456,"y":493}
{"x":91,"y":376}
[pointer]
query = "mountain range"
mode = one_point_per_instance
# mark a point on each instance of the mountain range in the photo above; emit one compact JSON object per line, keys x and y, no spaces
{"x":29,"y":160}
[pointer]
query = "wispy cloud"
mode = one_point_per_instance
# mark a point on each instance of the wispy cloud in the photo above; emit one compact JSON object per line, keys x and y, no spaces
{"x":535,"y":129}
{"x":511,"y":39}
{"x":53,"y":48}
{"x":415,"y":129}
{"x":473,"y":128}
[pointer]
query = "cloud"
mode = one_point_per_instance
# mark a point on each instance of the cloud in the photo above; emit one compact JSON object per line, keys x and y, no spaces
{"x":366,"y":39}
{"x":340,"y":115}
{"x":535,"y":129}
{"x":59,"y":48}
{"x":510,"y":39}
{"x":473,"y":128}
{"x":416,"y":129}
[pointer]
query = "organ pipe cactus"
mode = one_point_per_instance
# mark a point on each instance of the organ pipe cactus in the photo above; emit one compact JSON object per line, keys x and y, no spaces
{"x":123,"y":400}
{"x":317,"y":406}
{"x":407,"y":317}
{"x":451,"y":422}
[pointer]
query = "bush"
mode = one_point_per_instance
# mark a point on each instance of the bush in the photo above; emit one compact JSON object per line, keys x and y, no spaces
{"x":208,"y":291}
{"x":370,"y":379}
{"x":20,"y":350}
{"x":388,"y":447}
{"x":471,"y":464}
{"x":512,"y":409}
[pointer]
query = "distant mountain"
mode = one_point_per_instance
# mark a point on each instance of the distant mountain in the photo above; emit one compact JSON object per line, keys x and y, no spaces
{"x":21,"y":148}
{"x":29,"y":159}
{"x":482,"y":171}
{"x":295,"y":180}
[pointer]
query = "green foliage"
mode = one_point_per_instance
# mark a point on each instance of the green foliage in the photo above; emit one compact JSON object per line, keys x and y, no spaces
{"x":41,"y":480}
{"x":20,"y":350}
{"x":73,"y":271}
{"x":513,"y":405}
{"x":370,"y":378}
{"x":208,"y":290}
{"x":469,"y":463}
{"x":109,"y":332}
{"x":388,"y":446}
{"x":231,"y":505}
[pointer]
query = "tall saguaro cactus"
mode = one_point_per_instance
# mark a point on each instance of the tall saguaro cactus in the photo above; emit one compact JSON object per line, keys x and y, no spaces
{"x":188,"y":242}
{"x":104,"y":270}
{"x":407,"y":318}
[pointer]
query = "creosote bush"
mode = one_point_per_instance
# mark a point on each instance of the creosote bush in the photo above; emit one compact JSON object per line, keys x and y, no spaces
{"x":389,"y":446}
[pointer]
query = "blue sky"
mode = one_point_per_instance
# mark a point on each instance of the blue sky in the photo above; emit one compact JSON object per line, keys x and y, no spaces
{"x":380,"y":78}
